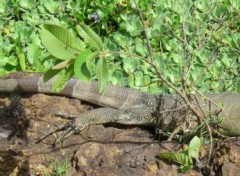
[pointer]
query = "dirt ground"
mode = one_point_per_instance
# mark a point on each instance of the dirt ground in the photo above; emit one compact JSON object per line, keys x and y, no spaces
{"x":99,"y":150}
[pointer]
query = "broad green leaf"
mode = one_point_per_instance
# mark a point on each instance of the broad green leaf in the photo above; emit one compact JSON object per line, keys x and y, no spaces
{"x":155,"y":88}
{"x":27,"y":4}
{"x":33,"y":53}
{"x":117,"y":77}
{"x":176,"y":58}
{"x":235,"y":3}
{"x":180,"y":158}
{"x":51,"y":6}
{"x":130,"y":65}
{"x":3,"y":61}
{"x":91,"y":65}
{"x":138,"y":78}
{"x":81,"y":70}
{"x":141,"y":49}
{"x":63,"y":79}
{"x":12,"y":60}
{"x":122,"y":40}
{"x":146,"y":80}
{"x":132,"y":25}
{"x":90,"y":36}
{"x":5,"y":7}
{"x":194,"y":146}
{"x":32,"y":18}
{"x":220,"y":10}
{"x":102,"y":74}
{"x":60,"y":42}
{"x":22,"y":61}
{"x":62,"y":64}
{"x":35,"y":38}
{"x":50,"y":74}
{"x":131,"y":80}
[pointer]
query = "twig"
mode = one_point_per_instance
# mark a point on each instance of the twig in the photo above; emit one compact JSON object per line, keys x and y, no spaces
{"x":149,"y":47}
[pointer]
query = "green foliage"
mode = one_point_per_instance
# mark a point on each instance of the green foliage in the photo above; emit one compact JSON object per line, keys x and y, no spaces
{"x":131,"y":24}
{"x":64,"y":76}
{"x":90,"y":36}
{"x":199,"y":39}
{"x":60,"y":168}
{"x":33,"y":53}
{"x":60,"y":42}
{"x":64,"y":46}
{"x":81,"y":68}
{"x":102,"y":74}
{"x":185,"y":158}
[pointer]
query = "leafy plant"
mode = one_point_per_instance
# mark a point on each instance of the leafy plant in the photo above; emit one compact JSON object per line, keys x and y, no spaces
{"x":61,"y":43}
{"x":73,"y":53}
{"x":185,"y":158}
{"x":210,"y":30}
{"x":60,"y":168}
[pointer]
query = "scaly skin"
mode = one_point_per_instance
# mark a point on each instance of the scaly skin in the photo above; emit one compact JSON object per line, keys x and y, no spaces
{"x":127,"y":106}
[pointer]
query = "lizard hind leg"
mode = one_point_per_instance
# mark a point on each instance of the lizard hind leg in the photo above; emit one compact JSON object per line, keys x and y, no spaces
{"x":68,"y":129}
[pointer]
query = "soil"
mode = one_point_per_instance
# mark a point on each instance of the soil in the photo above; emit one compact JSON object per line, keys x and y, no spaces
{"x":98,"y":150}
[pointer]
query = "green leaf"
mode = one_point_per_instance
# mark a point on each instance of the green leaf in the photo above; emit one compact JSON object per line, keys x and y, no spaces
{"x":22,"y":61}
{"x":60,"y":42}
{"x":133,"y":25}
{"x":138,"y":78}
{"x":194,"y":147}
{"x":235,"y":3}
{"x":122,"y":40}
{"x":181,"y":158}
{"x":102,"y":74}
{"x":12,"y":60}
{"x":117,"y":77}
{"x":33,"y":53}
{"x":90,"y":36}
{"x":63,"y":79}
{"x":62,"y":64}
{"x":220,"y":10}
{"x":27,"y":4}
{"x":140,"y":48}
{"x":130,"y":65}
{"x":50,"y":74}
{"x":51,"y":6}
{"x":5,"y":7}
{"x":184,"y":169}
{"x":32,"y":18}
{"x":146,"y":80}
{"x":81,"y":70}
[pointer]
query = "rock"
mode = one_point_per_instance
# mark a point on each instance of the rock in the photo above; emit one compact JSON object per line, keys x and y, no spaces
{"x":230,"y":169}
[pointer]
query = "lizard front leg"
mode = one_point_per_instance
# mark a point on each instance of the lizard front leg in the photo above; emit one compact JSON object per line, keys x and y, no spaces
{"x":132,"y":116}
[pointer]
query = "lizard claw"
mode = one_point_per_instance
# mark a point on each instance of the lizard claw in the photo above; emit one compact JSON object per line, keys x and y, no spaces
{"x":69,"y":129}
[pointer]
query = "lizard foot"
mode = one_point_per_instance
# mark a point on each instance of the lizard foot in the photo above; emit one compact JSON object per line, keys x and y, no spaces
{"x":69,"y":128}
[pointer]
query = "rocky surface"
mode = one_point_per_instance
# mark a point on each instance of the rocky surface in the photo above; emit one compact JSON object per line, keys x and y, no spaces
{"x":97,"y":150}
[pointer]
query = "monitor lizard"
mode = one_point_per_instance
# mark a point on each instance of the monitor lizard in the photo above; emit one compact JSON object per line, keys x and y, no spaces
{"x":129,"y":106}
